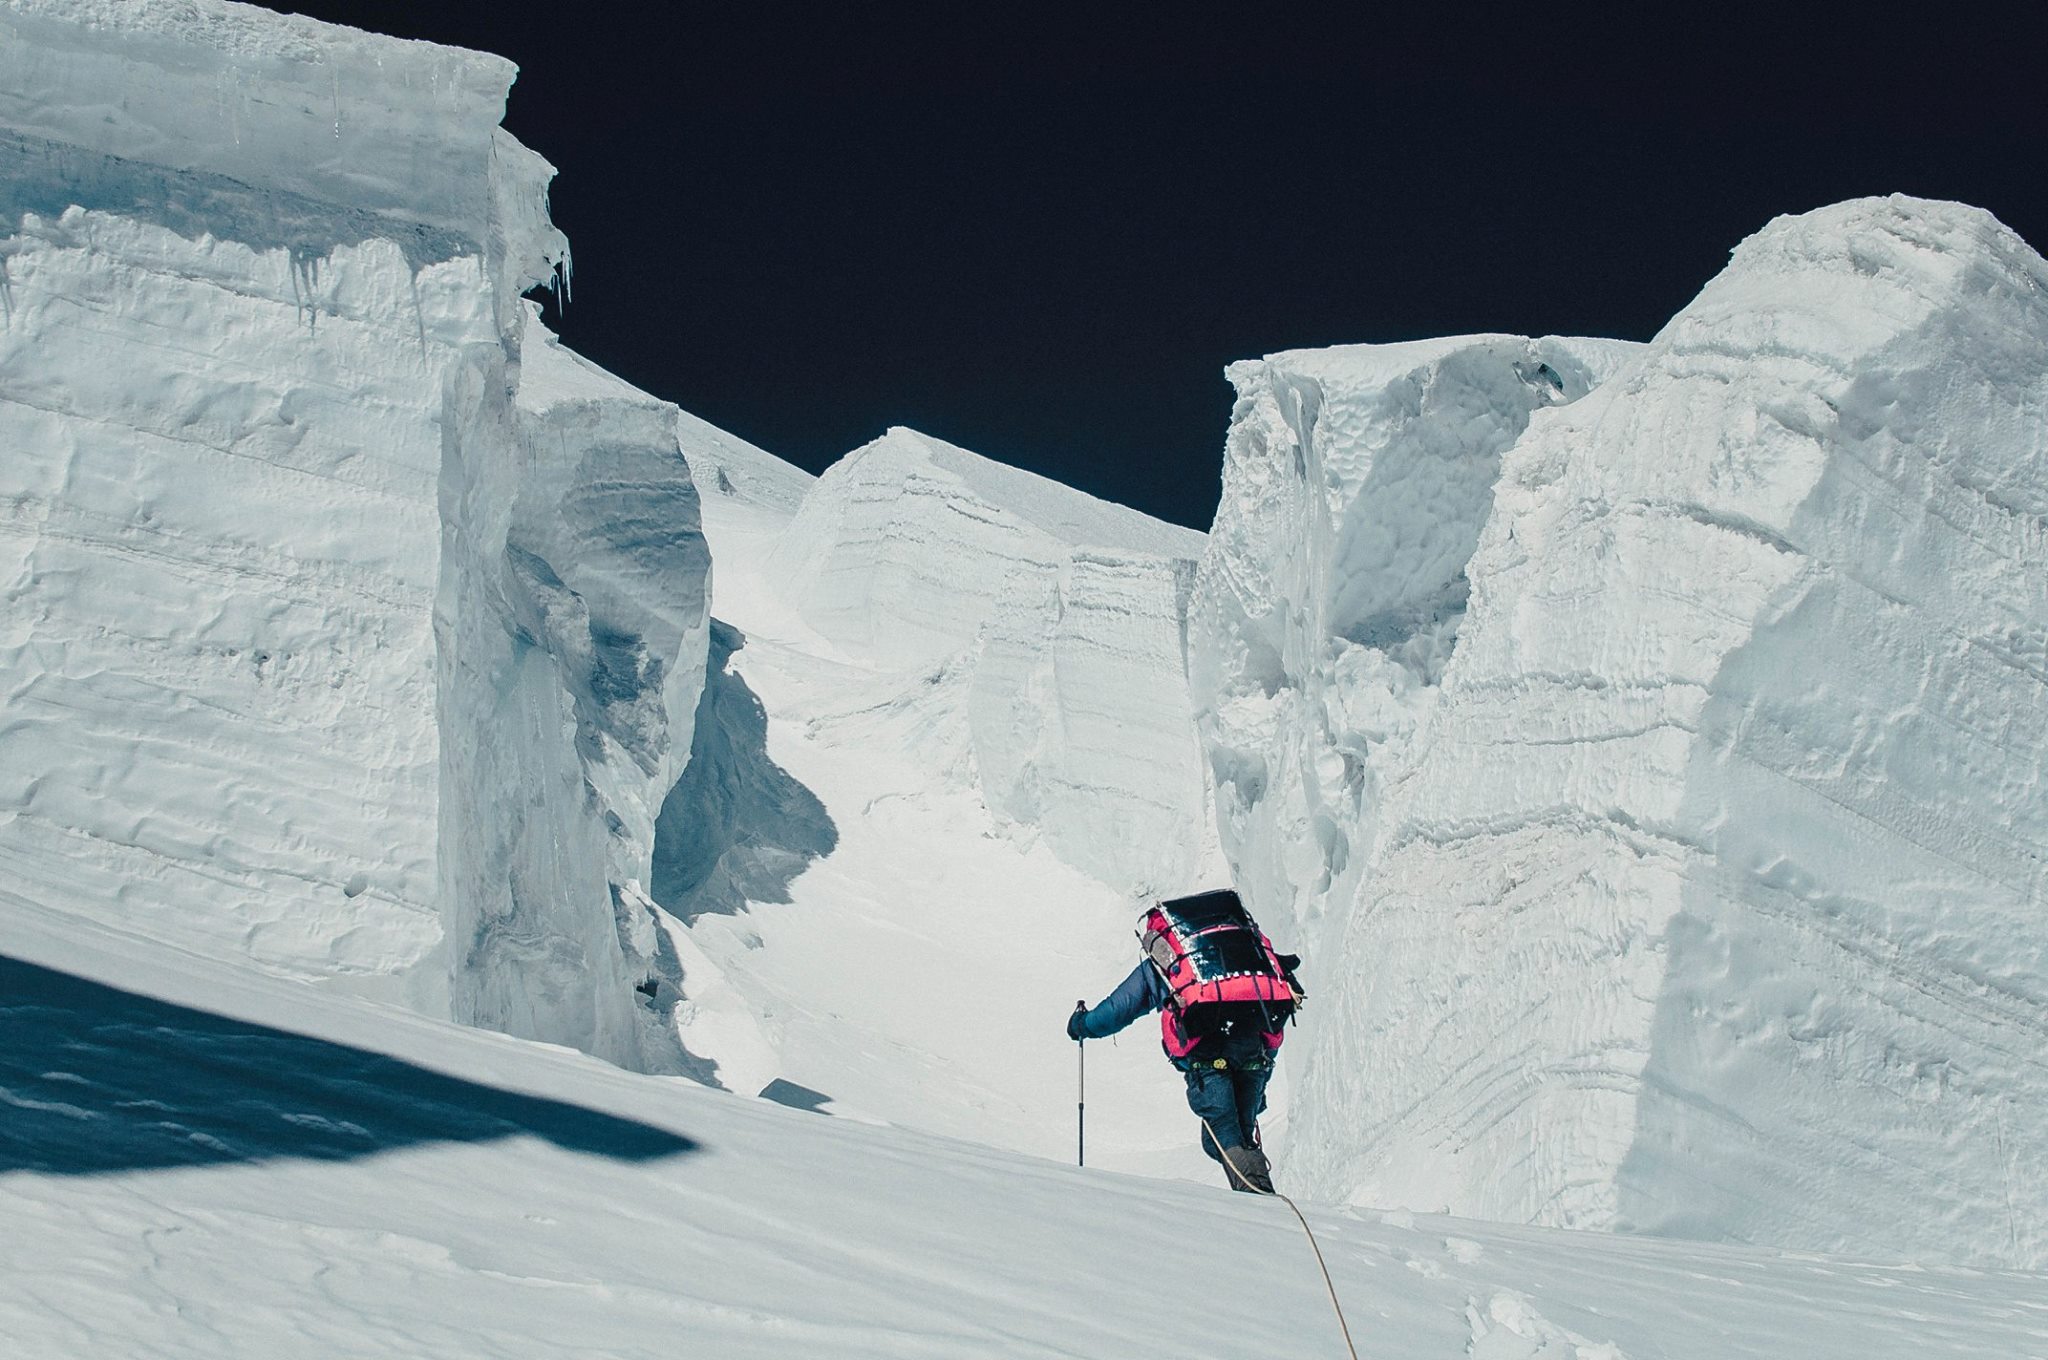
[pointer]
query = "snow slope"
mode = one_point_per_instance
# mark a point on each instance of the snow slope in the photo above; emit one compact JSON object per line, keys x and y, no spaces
{"x":357,"y":627}
{"x":1643,"y":741}
{"x":845,"y":882}
{"x":1688,"y":876}
{"x":320,"y":646}
{"x":199,"y":1160}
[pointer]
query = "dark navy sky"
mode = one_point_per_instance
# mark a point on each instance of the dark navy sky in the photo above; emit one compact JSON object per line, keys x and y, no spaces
{"x":1041,"y":232}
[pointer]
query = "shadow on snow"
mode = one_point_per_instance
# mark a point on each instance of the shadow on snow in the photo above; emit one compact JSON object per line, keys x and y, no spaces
{"x":94,"y":1079}
{"x":737,"y":827}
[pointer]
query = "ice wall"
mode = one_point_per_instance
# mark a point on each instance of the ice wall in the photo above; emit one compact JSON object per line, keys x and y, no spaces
{"x":1355,"y":484}
{"x":260,"y":351}
{"x":573,"y":623}
{"x":1708,"y":896}
{"x":1058,"y":621}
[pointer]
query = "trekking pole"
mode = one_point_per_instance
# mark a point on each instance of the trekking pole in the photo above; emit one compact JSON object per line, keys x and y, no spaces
{"x":1081,"y":1105}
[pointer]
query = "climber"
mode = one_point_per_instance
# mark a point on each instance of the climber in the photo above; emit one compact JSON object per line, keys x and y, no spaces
{"x":1224,"y":997}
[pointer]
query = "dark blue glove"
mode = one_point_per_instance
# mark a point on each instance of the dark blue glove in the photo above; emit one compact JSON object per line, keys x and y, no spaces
{"x":1074,"y":1030}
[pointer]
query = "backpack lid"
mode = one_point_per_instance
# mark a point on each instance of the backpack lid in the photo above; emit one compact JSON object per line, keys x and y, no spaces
{"x":1204,"y":939}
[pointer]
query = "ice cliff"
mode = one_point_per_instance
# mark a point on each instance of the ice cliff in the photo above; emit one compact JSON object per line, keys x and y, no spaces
{"x":1643,"y":743}
{"x":1654,"y":763}
{"x":947,"y":725}
{"x":326,"y":640}
{"x":1356,"y":483}
{"x":1058,"y":621}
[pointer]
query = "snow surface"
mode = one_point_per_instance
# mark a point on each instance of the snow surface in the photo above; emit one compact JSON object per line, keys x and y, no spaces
{"x":1678,"y":852}
{"x":1641,"y":742}
{"x":203,"y":1161}
{"x":846,"y":882}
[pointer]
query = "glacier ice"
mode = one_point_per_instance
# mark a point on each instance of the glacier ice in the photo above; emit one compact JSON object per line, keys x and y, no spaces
{"x":1687,"y":875}
{"x":1058,"y":621}
{"x":1356,"y":483}
{"x":327,"y":641}
{"x":573,"y":630}
{"x":1642,"y":742}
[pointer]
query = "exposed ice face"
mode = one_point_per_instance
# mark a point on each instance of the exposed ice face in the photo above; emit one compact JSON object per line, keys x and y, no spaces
{"x":289,"y":132}
{"x":321,"y":633}
{"x":1055,"y":621}
{"x":1356,"y":483}
{"x":219,"y":559}
{"x":573,"y":631}
{"x":1707,"y":894}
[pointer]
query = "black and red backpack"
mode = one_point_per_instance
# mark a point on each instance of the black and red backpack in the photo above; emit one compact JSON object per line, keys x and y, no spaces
{"x":1225,"y":983}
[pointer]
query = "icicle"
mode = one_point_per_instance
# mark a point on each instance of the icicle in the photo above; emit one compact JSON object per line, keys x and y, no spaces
{"x":305,"y":267}
{"x":559,"y":284}
{"x":419,"y":313}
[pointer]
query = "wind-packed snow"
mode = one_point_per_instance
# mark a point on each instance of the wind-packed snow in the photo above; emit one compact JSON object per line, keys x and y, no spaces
{"x":1688,"y":876}
{"x":325,"y":644}
{"x":202,"y":1162}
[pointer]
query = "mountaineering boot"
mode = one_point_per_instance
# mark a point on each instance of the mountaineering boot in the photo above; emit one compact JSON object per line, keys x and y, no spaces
{"x":1249,"y":1170}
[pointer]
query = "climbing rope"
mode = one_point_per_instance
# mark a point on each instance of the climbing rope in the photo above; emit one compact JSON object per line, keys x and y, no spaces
{"x":1314,"y":1246}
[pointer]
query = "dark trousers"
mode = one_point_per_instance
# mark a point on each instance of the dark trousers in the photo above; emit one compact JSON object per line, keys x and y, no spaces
{"x":1229,"y":1101}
